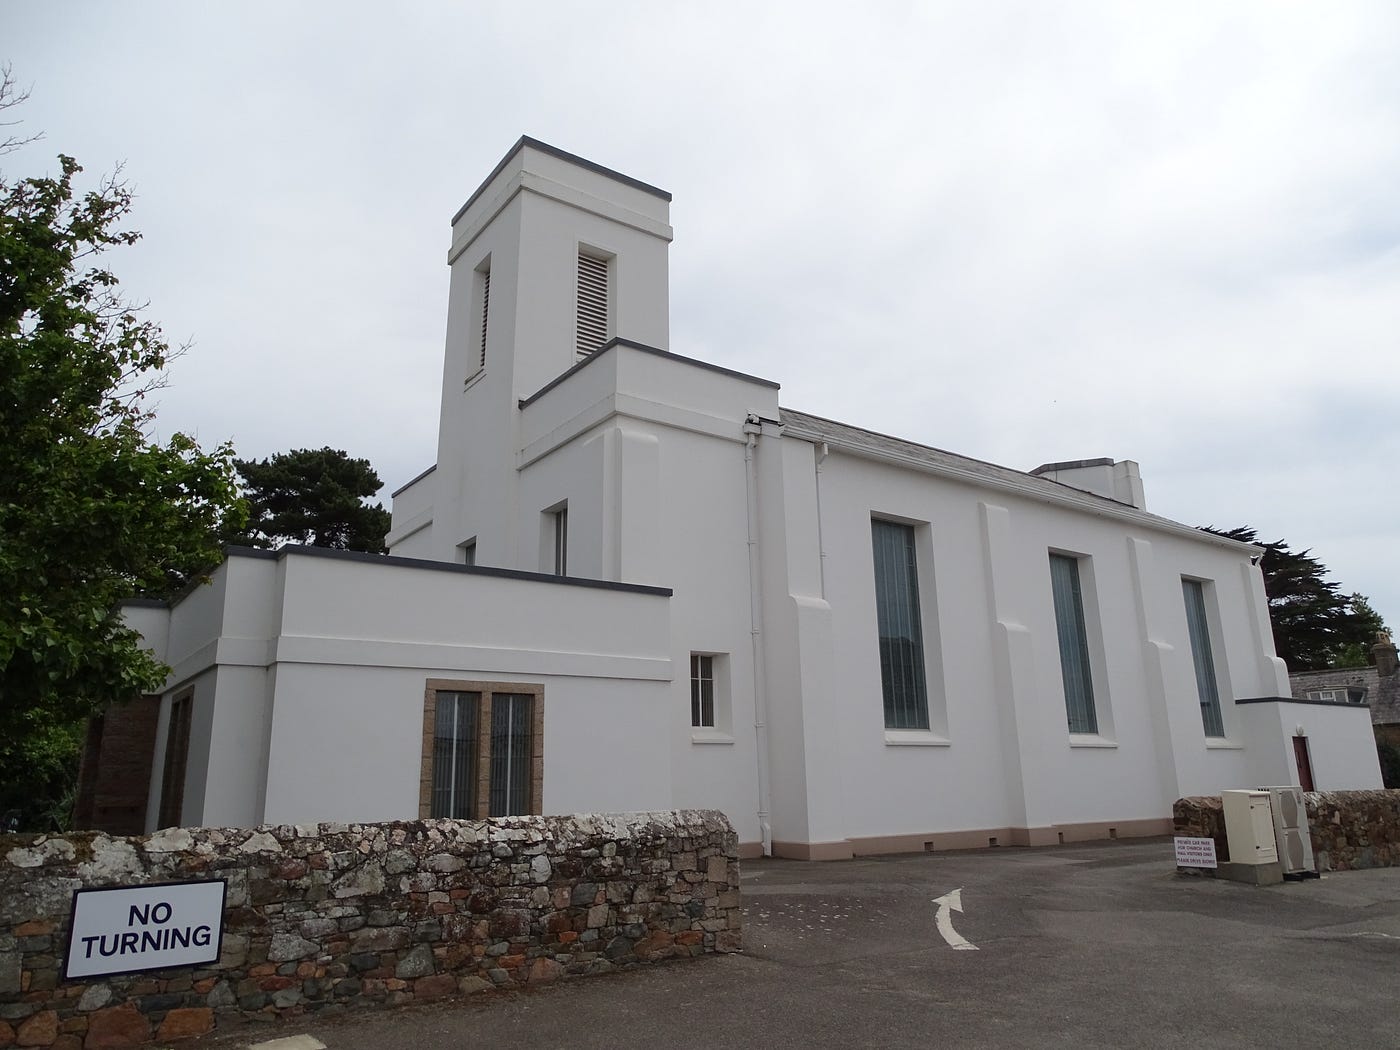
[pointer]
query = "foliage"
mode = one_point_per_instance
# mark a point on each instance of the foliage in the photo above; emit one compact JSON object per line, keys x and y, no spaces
{"x":1389,"y":756}
{"x":314,"y":496}
{"x":92,"y":510}
{"x":39,"y":776}
{"x":1314,"y":626}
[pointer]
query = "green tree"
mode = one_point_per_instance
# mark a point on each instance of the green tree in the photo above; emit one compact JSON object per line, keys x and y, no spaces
{"x":315,"y":496}
{"x":93,"y":511}
{"x":1314,"y":625}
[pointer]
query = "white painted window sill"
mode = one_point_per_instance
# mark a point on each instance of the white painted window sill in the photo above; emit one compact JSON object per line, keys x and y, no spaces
{"x":1090,"y":740}
{"x":1221,"y":744}
{"x":914,"y":738}
{"x":709,"y":736}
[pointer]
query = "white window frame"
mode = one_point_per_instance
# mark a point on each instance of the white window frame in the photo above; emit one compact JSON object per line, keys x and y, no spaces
{"x":721,"y":727}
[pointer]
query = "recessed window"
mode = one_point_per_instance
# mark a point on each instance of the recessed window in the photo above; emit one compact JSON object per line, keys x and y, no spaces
{"x":177,"y":750}
{"x":483,"y":750}
{"x":1076,"y":669}
{"x":561,"y":541}
{"x":455,"y":745}
{"x":702,"y":691}
{"x":466,"y":552}
{"x":1203,"y":656}
{"x":903,"y":678}
{"x":591,"y":324}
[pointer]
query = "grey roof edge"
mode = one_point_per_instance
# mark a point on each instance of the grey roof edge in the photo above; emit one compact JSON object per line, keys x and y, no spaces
{"x":297,"y":550}
{"x":564,"y":155}
{"x":409,"y":484}
{"x":857,"y":440}
{"x":644,"y":348}
{"x":1364,"y":706}
{"x":1071,"y":464}
{"x":301,"y":551}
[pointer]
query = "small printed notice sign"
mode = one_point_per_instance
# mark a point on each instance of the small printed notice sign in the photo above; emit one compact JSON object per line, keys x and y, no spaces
{"x":1195,"y":853}
{"x":145,"y":928}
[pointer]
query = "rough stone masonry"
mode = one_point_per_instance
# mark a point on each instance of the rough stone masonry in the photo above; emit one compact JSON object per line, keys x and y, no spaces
{"x":330,"y":916}
{"x":1349,"y":829}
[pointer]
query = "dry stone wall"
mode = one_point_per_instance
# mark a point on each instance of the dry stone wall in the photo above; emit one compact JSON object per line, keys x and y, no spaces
{"x":326,"y":917}
{"x":1349,"y":829}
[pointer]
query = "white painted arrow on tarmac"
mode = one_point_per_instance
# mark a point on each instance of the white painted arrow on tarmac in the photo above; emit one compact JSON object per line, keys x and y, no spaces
{"x":951,"y":901}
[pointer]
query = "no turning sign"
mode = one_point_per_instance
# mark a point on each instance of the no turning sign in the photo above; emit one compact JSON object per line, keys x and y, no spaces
{"x":145,"y":928}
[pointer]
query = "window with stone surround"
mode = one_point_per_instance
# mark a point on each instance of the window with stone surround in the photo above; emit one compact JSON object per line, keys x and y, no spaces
{"x":483,"y":749}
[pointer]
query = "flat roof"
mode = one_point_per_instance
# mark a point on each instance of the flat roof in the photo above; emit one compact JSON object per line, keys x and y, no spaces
{"x":564,"y":155}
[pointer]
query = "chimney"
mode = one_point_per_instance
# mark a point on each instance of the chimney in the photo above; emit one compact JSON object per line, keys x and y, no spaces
{"x":1384,"y":652}
{"x":1120,"y":481}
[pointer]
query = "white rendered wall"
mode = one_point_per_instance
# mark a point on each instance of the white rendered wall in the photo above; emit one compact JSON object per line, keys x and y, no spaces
{"x":527,"y":224}
{"x":648,"y":452}
{"x":1341,"y":745}
{"x":1007,"y":757}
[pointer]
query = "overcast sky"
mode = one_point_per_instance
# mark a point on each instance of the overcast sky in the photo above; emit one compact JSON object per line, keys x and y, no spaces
{"x":1020,"y":231}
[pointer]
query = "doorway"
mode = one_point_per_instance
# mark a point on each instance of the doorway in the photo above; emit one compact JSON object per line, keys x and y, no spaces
{"x":1304,"y":763}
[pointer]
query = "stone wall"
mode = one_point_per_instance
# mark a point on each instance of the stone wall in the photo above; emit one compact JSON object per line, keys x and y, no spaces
{"x":1349,"y":829}
{"x":327,"y":917}
{"x":1355,"y":829}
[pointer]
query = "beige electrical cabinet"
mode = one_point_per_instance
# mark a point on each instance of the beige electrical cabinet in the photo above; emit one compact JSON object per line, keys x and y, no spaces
{"x":1249,"y":827}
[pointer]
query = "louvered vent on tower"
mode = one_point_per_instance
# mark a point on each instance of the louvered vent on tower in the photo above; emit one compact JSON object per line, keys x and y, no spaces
{"x":485,"y":311}
{"x":592,"y":328}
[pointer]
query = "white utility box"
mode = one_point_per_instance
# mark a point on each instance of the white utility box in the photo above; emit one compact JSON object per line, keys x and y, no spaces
{"x":1249,"y":827}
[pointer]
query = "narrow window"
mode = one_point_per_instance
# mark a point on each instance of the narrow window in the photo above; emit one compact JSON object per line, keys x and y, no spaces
{"x":702,"y":691}
{"x":485,"y":314}
{"x":1074,"y":644}
{"x":1207,"y":689}
{"x":902,"y":675}
{"x":591,"y":329}
{"x":511,"y":720}
{"x":454,"y":755}
{"x":177,"y":750}
{"x":468,"y":552}
{"x":561,"y":542}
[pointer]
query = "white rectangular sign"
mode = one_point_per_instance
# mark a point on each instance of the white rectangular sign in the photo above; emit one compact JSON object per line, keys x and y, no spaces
{"x":145,"y":928}
{"x":1195,"y":853}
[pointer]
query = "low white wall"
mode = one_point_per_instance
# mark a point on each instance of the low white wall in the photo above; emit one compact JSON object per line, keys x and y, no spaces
{"x":1341,"y":745}
{"x":322,"y":717}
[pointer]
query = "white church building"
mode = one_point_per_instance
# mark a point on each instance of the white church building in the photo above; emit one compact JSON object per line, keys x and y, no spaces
{"x":633,"y":581}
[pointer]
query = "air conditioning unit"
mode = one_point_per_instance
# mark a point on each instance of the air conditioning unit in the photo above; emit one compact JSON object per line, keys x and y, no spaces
{"x":1291,"y":832}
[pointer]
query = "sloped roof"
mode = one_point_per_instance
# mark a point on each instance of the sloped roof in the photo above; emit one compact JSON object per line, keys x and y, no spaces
{"x":860,"y":442}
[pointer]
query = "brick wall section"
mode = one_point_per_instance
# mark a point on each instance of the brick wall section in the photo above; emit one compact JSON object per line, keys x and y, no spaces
{"x":1349,"y":829}
{"x":115,"y":774}
{"x":329,"y":917}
